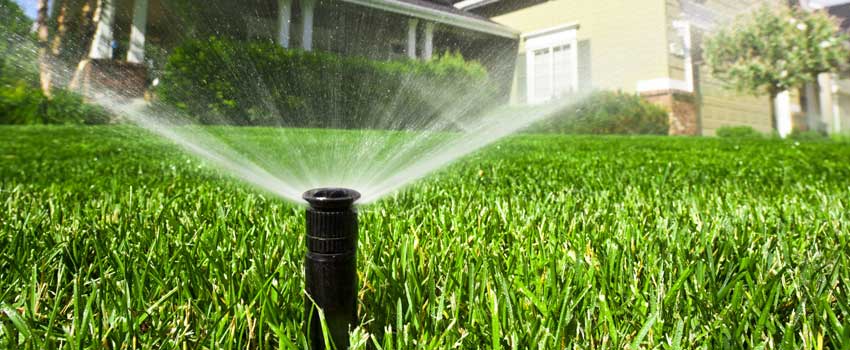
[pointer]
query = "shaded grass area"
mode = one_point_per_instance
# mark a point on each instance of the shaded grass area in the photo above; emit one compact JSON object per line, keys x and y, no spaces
{"x":112,"y":238}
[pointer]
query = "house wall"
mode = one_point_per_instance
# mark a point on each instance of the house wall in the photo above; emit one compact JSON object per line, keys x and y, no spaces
{"x":624,"y":42}
{"x":844,"y":113}
{"x":675,"y":52}
{"x":842,"y":107}
{"x":620,"y":42}
{"x":834,"y":105}
{"x":724,"y":107}
{"x":721,"y":106}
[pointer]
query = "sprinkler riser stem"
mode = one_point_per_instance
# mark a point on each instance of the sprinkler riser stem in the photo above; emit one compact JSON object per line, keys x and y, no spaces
{"x":330,"y":270}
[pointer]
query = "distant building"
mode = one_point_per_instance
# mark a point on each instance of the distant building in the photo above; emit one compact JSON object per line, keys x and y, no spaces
{"x":651,"y":47}
{"x":829,"y":109}
{"x":378,"y":29}
{"x":555,"y":47}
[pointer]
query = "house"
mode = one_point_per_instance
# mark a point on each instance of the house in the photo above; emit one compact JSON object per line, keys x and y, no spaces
{"x":829,"y":108}
{"x":378,"y":29}
{"x":650,"y":47}
{"x":553,"y":47}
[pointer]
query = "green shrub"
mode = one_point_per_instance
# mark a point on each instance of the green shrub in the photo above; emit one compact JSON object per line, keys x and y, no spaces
{"x":69,"y":108}
{"x":21,"y":103}
{"x":220,"y":81}
{"x":808,"y":135}
{"x":608,"y":112}
{"x":738,"y":132}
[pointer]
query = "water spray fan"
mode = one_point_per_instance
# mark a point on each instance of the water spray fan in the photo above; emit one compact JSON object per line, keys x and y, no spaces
{"x":330,"y":267}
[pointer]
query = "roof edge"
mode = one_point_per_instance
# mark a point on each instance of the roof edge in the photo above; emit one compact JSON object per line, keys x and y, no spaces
{"x":439,"y":16}
{"x":473,"y":4}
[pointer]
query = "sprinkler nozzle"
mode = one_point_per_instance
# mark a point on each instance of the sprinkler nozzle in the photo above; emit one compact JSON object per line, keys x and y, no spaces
{"x":330,"y":268}
{"x":331,"y":198}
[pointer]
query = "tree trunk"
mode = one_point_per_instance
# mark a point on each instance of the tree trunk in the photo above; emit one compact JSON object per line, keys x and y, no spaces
{"x":61,"y":25}
{"x":87,"y":20}
{"x":43,"y":48}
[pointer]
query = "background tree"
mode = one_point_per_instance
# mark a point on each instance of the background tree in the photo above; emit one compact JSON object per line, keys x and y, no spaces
{"x":43,"y":47}
{"x":15,"y":39}
{"x":776,"y":49}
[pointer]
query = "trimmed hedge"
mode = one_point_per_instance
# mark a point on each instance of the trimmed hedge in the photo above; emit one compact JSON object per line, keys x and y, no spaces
{"x":607,"y":112}
{"x":738,"y":132}
{"x":221,"y":81}
{"x":22,"y":103}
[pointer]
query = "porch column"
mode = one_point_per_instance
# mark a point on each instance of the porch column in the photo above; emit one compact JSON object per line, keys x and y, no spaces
{"x":812,"y":107}
{"x":428,"y":49}
{"x":136,"y":53}
{"x":689,"y":57}
{"x":782,"y":109}
{"x":826,"y":97}
{"x":836,"y":116}
{"x":307,"y":7}
{"x":411,"y":37}
{"x":101,"y":47}
{"x":284,"y":18}
{"x":836,"y":104}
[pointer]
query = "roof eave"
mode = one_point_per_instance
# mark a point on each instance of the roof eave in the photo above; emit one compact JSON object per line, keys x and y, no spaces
{"x":439,"y":16}
{"x":473,"y":4}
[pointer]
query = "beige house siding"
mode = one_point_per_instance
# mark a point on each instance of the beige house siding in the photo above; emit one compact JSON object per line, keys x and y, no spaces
{"x":676,"y":62}
{"x":619,"y":42}
{"x":724,"y":107}
{"x":842,"y":106}
{"x":844,"y":113}
{"x":721,"y":106}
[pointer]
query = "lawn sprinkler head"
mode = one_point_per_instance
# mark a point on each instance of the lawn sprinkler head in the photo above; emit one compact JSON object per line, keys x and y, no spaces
{"x":330,"y":268}
{"x":331,"y":198}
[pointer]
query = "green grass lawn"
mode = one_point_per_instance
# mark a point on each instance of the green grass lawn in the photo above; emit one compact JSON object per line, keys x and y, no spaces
{"x":112,"y":238}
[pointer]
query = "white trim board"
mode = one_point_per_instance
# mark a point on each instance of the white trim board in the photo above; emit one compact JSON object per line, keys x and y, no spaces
{"x":683,"y":29}
{"x":551,"y":37}
{"x":559,"y":28}
{"x":473,"y":4}
{"x":430,"y":14}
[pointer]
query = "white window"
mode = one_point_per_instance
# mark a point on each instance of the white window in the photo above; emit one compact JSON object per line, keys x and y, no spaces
{"x":551,"y":63}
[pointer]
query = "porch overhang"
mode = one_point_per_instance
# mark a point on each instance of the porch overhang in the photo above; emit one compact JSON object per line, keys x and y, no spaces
{"x":439,"y":16}
{"x":473,"y":4}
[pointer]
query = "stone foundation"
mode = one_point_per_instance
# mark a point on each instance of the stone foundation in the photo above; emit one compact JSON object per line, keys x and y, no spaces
{"x":684,"y":116}
{"x":98,"y":78}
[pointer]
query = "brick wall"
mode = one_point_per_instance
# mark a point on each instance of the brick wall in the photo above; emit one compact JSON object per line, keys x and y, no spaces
{"x":682,"y":108}
{"x":113,"y":78}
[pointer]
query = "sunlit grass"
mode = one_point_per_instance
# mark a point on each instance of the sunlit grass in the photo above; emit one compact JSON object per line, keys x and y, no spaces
{"x":111,"y":238}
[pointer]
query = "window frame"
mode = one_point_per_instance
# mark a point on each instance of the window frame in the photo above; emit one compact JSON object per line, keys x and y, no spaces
{"x":549,"y":39}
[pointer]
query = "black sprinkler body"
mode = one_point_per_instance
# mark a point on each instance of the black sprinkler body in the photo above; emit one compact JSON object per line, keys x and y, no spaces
{"x":330,"y":267}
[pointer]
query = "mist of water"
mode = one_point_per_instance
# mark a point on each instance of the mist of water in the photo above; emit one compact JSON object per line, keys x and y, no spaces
{"x":287,"y":162}
{"x":377,"y":156}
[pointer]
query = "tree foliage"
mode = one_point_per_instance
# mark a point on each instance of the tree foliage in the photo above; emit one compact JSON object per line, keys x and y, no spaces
{"x":16,"y":40}
{"x":776,"y":49}
{"x":21,"y":100}
{"x":13,"y":21}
